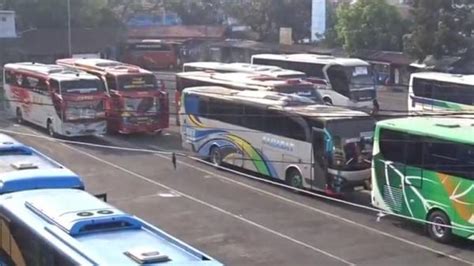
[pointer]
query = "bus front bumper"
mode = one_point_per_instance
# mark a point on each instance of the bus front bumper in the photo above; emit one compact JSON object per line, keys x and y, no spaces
{"x":348,"y":181}
{"x":71,"y":129}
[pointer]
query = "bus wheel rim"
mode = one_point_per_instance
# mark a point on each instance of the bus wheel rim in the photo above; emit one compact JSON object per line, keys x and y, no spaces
{"x":437,"y":228}
{"x":296,"y":181}
{"x":216,"y":157}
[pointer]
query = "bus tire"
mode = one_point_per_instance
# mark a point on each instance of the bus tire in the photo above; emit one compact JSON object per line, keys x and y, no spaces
{"x":294,"y":178}
{"x":327,"y":101}
{"x":439,"y":233}
{"x":215,"y":156}
{"x":50,"y":128}
{"x":19,"y":116}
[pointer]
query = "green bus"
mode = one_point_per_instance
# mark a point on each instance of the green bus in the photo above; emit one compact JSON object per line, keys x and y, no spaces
{"x":423,"y":168}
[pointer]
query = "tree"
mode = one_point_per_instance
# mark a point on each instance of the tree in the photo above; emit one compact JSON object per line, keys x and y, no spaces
{"x":370,"y":24}
{"x":441,"y":28}
{"x":197,"y":12}
{"x":53,"y":13}
{"x":266,"y":17}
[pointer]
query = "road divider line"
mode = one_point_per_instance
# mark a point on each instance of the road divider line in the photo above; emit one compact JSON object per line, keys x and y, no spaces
{"x":216,"y":208}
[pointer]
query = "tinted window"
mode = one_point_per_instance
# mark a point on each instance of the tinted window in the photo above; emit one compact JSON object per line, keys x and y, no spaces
{"x":440,"y":156}
{"x":111,"y":82}
{"x":9,"y":78}
{"x":450,"y":158}
{"x":81,"y":86}
{"x":443,"y":91}
{"x":392,"y":145}
{"x":225,"y":111}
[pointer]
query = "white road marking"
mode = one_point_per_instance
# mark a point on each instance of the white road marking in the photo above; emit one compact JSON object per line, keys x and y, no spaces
{"x":444,"y":254}
{"x":406,"y":241}
{"x":239,"y":217}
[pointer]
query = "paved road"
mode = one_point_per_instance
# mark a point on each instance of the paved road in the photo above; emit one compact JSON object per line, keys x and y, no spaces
{"x":237,"y":220}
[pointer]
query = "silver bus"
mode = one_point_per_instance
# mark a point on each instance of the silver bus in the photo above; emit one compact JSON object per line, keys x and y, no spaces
{"x":282,"y":136}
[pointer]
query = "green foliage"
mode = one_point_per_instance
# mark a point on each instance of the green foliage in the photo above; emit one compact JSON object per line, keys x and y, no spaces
{"x":53,"y":13}
{"x":197,"y":12}
{"x":370,"y":24}
{"x":440,"y":28}
{"x":267,"y":16}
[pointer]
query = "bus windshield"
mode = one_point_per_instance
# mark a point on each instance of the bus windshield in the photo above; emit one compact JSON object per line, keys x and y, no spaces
{"x":360,"y":77}
{"x":137,"y":82}
{"x":81,"y":86}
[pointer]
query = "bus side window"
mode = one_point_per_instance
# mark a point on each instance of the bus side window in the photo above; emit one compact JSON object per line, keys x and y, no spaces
{"x":392,"y":145}
{"x":111,"y":82}
{"x":42,"y":87}
{"x":54,"y":86}
{"x":10,"y":78}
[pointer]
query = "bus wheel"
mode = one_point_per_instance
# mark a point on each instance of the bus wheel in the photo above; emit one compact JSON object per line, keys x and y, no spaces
{"x":19,"y":116}
{"x":294,"y":179}
{"x":50,"y":128}
{"x":436,"y":230}
{"x":216,"y":156}
{"x":327,"y":101}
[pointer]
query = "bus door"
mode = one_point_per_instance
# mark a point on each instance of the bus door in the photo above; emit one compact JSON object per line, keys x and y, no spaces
{"x":318,"y":159}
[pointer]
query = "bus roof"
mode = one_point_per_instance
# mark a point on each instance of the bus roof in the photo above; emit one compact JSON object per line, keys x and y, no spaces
{"x":103,"y":66}
{"x":286,"y":102}
{"x":254,"y":81}
{"x":57,"y":72}
{"x":315,"y":59}
{"x":80,"y":224}
{"x":446,"y":77}
{"x":23,"y":168}
{"x":445,"y":128}
{"x":245,"y":68}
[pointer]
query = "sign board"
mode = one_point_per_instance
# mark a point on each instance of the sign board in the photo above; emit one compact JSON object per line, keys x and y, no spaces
{"x":286,"y":36}
{"x":318,"y":19}
{"x":7,"y":24}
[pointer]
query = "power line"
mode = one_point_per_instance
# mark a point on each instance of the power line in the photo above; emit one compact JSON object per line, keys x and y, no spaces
{"x":380,"y":212}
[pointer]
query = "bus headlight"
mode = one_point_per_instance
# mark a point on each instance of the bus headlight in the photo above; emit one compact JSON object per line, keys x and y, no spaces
{"x":126,"y":114}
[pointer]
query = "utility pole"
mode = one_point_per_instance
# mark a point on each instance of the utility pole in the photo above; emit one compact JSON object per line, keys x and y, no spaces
{"x":69,"y":37}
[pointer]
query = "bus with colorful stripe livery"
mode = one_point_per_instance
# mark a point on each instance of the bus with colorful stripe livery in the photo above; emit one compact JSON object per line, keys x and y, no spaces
{"x":282,"y":136}
{"x":440,"y":92}
{"x":423,"y":168}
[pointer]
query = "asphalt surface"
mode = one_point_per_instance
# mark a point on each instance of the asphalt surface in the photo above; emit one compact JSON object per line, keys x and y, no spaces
{"x":235,"y":219}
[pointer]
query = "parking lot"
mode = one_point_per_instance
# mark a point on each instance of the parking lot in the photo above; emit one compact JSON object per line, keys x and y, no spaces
{"x":233,"y":218}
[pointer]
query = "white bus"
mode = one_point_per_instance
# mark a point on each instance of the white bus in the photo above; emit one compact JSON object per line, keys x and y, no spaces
{"x":272,"y":71}
{"x":66,"y":102}
{"x":435,"y":92}
{"x":282,"y":136}
{"x":347,"y":82}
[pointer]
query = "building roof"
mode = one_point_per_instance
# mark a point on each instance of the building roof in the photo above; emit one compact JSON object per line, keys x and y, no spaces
{"x":178,"y":32}
{"x":43,"y":42}
{"x":445,"y":128}
{"x":396,"y":58}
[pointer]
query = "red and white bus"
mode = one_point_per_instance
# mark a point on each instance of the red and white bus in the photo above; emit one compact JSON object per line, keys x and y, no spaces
{"x":151,"y":54}
{"x":136,"y":102}
{"x":66,"y":102}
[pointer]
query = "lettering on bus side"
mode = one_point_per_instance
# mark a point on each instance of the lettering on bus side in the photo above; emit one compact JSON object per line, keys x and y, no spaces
{"x":278,"y":143}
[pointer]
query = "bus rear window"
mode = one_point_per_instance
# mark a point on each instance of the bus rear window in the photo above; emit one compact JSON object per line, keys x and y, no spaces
{"x":137,"y":82}
{"x":81,"y":86}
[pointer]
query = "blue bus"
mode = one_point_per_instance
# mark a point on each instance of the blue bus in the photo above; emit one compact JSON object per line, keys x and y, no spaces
{"x":71,"y":227}
{"x":24,"y":168}
{"x":46,"y":218}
